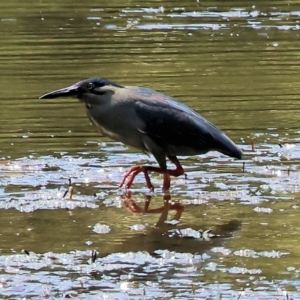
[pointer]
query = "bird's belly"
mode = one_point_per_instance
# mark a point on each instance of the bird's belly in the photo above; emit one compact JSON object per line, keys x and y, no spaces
{"x":104,"y":130}
{"x":132,"y":139}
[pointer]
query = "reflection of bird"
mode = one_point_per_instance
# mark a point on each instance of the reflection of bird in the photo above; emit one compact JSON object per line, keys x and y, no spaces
{"x":149,"y":121}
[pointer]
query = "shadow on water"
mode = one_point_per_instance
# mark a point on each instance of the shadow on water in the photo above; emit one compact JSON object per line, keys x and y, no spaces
{"x":166,"y":234}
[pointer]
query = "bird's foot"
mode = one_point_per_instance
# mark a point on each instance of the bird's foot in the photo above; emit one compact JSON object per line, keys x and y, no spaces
{"x":132,"y":173}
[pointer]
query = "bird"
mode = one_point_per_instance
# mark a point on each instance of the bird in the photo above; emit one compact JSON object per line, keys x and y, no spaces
{"x":149,"y":121}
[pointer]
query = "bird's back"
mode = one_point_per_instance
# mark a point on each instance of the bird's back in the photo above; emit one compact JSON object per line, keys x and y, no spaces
{"x":178,"y":129}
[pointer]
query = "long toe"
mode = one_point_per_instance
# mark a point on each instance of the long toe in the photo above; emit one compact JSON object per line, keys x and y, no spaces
{"x":131,"y":178}
{"x":132,"y":173}
{"x":127,"y":174}
{"x":142,"y":169}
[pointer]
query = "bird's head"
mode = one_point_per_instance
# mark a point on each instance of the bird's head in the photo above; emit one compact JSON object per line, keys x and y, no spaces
{"x":84,"y":88}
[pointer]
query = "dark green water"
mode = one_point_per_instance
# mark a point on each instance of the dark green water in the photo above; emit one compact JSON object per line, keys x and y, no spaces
{"x":236,"y":63}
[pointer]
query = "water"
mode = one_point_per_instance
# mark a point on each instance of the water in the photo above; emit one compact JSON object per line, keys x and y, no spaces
{"x":237,"y":64}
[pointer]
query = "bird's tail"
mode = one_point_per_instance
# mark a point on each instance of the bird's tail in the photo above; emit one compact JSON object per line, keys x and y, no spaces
{"x":228,"y":147}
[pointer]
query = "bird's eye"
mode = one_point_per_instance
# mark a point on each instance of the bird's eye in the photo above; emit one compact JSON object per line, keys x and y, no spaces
{"x":90,"y":86}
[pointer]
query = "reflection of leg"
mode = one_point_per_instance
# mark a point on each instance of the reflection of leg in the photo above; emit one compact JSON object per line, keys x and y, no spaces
{"x":179,"y":208}
{"x":130,"y":204}
{"x":134,"y":208}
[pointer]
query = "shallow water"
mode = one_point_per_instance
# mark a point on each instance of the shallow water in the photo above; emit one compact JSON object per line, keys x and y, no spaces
{"x":235,"y":63}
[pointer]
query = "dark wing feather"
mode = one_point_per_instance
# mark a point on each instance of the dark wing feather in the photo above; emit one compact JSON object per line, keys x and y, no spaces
{"x":173,"y":125}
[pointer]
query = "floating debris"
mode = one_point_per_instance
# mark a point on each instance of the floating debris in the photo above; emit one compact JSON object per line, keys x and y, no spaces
{"x":101,"y":228}
{"x":138,"y":227}
{"x":263,"y":210}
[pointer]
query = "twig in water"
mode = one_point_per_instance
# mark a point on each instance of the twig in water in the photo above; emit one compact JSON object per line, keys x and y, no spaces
{"x":70,"y":190}
{"x":252,"y":145}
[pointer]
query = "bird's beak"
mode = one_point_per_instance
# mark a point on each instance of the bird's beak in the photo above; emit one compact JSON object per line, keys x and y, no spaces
{"x":69,"y":91}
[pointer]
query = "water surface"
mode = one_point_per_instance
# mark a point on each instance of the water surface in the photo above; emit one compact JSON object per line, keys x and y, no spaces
{"x":237,"y":64}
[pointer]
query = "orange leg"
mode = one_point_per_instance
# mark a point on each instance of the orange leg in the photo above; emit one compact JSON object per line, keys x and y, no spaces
{"x":134,"y":171}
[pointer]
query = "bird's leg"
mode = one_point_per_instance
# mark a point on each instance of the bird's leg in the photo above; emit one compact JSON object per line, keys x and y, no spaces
{"x":177,"y":172}
{"x":167,"y":182}
{"x":134,"y":171}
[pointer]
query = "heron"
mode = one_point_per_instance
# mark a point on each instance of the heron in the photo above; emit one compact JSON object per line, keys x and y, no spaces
{"x":149,"y":121}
